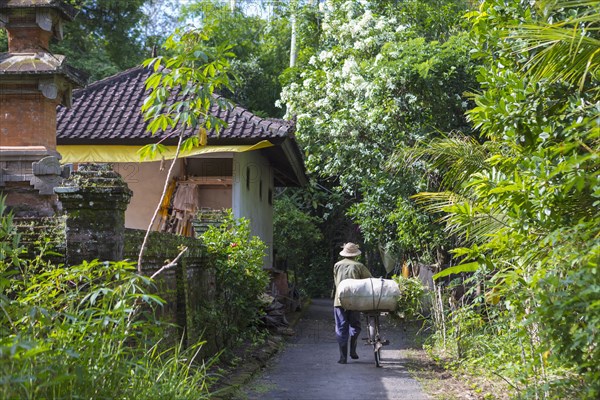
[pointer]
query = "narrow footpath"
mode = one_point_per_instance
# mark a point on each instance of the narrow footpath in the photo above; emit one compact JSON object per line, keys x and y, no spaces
{"x":307,"y":368}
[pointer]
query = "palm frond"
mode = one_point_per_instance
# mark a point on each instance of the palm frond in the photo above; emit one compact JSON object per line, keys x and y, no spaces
{"x":562,"y":55}
{"x":462,"y":216}
{"x":567,"y":50}
{"x":557,"y":4}
{"x":459,"y":156}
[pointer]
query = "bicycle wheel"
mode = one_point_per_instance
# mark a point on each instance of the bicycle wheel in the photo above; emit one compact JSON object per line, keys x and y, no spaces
{"x":378,"y":344}
{"x":373,"y":324}
{"x":377,"y":353}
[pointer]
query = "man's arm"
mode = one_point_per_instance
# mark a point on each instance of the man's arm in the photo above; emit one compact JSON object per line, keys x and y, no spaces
{"x":335,"y":271}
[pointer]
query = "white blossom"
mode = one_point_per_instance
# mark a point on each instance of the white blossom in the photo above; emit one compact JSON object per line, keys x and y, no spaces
{"x":325,"y":55}
{"x":307,"y":83}
{"x":349,"y":67}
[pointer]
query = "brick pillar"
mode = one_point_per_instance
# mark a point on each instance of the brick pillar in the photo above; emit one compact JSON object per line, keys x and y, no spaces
{"x":33,"y":82}
{"x":94,"y":199}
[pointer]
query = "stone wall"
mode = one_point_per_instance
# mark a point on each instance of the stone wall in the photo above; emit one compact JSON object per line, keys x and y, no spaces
{"x":46,"y":236}
{"x":94,"y":200}
{"x":188,"y":288}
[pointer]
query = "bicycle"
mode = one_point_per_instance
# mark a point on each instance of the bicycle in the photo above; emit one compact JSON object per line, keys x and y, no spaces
{"x":383,"y":301}
{"x":374,"y":334}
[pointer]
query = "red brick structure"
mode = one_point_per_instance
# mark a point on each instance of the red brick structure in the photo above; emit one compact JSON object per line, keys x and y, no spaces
{"x":33,"y":82}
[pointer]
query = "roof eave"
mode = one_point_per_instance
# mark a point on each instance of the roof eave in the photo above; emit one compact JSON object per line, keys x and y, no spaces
{"x":293,"y":154}
{"x":67,"y":10}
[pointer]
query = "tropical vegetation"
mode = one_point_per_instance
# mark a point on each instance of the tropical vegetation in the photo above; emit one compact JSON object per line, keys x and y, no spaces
{"x":94,"y":330}
{"x":85,"y":331}
{"x":382,"y":79}
{"x":455,"y":135}
{"x":523,"y":200}
{"x":479,"y":137}
{"x":237,"y":257}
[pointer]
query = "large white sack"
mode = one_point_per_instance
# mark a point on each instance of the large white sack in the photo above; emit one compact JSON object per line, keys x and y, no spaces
{"x":368,"y":294}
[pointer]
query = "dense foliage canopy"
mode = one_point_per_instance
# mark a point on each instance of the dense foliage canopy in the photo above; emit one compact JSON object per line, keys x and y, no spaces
{"x":261,"y":46}
{"x":430,"y":127}
{"x":385,"y":76}
{"x":525,"y":202}
{"x":105,"y":37}
{"x":492,"y":130}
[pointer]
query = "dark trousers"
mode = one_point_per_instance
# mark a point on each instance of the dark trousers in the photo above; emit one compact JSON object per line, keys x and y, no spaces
{"x":347,"y":323}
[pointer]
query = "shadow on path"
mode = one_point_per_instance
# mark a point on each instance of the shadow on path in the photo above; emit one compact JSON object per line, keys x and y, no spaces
{"x":307,"y":368}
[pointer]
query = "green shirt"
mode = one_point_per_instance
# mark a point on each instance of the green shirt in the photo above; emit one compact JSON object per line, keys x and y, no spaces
{"x":348,"y":269}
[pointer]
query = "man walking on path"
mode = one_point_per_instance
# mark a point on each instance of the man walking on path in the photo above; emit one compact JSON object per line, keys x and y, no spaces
{"x":347,"y":323}
{"x":302,"y":370}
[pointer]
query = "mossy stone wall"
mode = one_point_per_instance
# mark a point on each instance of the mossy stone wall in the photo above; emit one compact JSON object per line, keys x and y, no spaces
{"x":95,"y":199}
{"x":187,"y":288}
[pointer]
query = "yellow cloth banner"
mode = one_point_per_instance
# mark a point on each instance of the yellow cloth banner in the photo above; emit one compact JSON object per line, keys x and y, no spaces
{"x":117,"y":153}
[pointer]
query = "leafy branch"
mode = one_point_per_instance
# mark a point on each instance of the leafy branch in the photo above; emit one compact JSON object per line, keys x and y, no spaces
{"x":182,"y":94}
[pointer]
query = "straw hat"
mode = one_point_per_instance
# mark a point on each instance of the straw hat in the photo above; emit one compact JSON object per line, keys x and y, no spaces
{"x":350,"y":250}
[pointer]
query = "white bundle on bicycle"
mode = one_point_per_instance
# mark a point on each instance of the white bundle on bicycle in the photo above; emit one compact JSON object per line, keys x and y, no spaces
{"x":371,"y":294}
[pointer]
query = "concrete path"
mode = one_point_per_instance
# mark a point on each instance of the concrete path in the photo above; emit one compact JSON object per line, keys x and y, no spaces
{"x":307,"y":368}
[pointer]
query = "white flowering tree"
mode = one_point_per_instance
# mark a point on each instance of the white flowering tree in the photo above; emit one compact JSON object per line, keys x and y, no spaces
{"x":386,"y":76}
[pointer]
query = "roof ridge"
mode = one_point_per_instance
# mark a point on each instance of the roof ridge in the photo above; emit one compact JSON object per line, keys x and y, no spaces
{"x":108,"y":110}
{"x":267,"y":125}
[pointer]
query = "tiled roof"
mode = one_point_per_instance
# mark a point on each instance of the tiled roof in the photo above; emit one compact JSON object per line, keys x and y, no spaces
{"x":108,"y":112}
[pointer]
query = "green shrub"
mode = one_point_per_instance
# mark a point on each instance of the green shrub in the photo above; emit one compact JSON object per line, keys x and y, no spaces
{"x":240,"y":278}
{"x":10,"y":248}
{"x":295,"y":231}
{"x":410,"y":302}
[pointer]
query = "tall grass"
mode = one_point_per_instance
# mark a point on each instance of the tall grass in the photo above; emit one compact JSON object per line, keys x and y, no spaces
{"x":85,"y":332}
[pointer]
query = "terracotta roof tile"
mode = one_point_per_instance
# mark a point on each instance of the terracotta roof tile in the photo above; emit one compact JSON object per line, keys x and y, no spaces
{"x":108,"y":111}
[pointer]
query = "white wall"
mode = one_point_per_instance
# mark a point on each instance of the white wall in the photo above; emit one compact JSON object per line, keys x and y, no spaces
{"x":249,"y":170}
{"x":147,"y":181}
